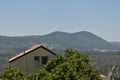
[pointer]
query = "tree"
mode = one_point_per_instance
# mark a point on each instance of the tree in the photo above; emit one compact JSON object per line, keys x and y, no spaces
{"x":11,"y":73}
{"x":72,"y":66}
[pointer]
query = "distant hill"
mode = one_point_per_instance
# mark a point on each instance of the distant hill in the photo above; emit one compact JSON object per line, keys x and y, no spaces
{"x":57,"y":40}
{"x":116,"y":43}
{"x":81,"y":40}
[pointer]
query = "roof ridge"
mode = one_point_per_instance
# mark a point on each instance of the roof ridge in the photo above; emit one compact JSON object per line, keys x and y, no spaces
{"x":25,"y":52}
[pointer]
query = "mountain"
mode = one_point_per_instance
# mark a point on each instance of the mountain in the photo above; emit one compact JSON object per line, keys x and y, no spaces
{"x":116,"y":43}
{"x":57,"y":40}
{"x":80,"y":40}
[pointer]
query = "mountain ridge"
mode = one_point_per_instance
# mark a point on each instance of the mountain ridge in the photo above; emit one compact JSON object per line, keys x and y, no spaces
{"x":82,"y":40}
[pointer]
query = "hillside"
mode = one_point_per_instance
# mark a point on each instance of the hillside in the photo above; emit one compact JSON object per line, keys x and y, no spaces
{"x":57,"y":40}
{"x":116,"y":43}
{"x":81,"y":40}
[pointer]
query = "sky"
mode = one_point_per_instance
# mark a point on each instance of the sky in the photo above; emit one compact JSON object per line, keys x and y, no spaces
{"x":40,"y":17}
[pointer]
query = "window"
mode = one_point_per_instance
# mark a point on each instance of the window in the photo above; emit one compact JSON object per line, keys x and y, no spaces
{"x":44,"y":59}
{"x":37,"y":61}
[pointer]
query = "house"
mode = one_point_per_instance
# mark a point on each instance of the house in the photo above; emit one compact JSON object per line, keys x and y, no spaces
{"x":33,"y":59}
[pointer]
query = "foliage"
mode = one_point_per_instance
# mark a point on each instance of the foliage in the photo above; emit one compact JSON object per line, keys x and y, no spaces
{"x":72,"y":66}
{"x":105,"y":61}
{"x":116,"y":73}
{"x":11,"y":73}
{"x":33,"y":76}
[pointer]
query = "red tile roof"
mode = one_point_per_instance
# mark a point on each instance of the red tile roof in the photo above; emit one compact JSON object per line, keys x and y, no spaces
{"x":28,"y":51}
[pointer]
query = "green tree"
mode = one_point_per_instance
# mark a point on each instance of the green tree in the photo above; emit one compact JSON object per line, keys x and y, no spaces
{"x":11,"y":73}
{"x":72,"y":66}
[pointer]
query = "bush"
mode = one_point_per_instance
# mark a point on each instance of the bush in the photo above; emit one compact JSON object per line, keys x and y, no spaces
{"x":11,"y":73}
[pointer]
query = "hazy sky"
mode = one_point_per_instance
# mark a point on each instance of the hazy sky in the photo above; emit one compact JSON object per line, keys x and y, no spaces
{"x":39,"y":17}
